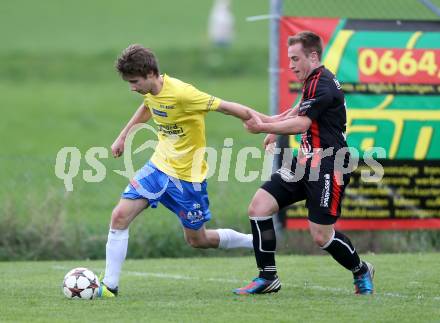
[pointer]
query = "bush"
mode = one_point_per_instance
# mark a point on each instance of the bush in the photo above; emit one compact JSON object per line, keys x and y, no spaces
{"x":56,"y":66}
{"x":46,"y":233}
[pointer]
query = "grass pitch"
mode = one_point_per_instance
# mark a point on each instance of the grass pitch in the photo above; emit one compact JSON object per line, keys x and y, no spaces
{"x":315,"y":289}
{"x":59,"y":88}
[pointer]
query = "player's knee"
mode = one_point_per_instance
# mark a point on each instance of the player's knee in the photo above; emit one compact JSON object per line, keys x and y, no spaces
{"x":320,"y":238}
{"x":252,"y":210}
{"x":258,"y":208}
{"x":196,"y":242}
{"x":119,"y":219}
{"x":255,"y":209}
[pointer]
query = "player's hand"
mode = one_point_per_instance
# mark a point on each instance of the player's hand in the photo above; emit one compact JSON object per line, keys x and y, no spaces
{"x":118,"y":147}
{"x":270,"y":143}
{"x":254,"y":123}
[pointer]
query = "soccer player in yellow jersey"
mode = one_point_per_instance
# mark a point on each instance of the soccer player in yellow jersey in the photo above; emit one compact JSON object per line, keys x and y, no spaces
{"x":175,"y":175}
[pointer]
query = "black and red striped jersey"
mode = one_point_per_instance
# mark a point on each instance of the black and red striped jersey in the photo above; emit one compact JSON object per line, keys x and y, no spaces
{"x":324,"y":103}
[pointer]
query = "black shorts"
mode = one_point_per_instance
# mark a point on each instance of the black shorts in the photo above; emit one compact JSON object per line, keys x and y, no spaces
{"x":322,"y":188}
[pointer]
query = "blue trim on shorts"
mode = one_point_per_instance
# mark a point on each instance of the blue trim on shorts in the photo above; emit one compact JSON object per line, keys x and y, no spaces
{"x":187,"y":200}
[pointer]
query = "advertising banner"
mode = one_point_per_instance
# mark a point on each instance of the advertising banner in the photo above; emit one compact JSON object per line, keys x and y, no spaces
{"x":390,"y":73}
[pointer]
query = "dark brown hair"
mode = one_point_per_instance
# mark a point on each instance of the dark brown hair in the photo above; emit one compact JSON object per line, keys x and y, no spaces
{"x":310,"y":41}
{"x":137,"y":60}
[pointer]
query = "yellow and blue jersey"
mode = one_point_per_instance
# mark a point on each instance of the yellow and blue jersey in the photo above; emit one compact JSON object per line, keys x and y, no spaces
{"x":178,"y":111}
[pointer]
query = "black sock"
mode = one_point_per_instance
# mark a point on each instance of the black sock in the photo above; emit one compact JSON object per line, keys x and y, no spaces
{"x":343,"y":252}
{"x":265,"y":243}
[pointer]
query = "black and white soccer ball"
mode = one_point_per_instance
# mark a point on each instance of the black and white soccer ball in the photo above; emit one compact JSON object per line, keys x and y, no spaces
{"x":81,"y":283}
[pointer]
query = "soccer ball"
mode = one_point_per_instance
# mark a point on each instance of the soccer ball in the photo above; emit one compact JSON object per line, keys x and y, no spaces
{"x":80,"y":283}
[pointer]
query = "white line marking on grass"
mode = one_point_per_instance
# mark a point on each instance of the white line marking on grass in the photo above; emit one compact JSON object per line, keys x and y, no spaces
{"x":167,"y":276}
{"x":306,"y":285}
{"x":322,"y":288}
{"x":238,"y":281}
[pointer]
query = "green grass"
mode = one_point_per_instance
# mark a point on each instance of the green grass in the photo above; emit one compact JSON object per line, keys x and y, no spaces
{"x":89,"y":115}
{"x":58,"y":88}
{"x":97,"y":26}
{"x":315,"y":289}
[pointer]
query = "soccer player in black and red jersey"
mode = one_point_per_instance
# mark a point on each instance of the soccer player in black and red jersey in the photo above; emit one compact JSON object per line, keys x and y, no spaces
{"x":318,"y":174}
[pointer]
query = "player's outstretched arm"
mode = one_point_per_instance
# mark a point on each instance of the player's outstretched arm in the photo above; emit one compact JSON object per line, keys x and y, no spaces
{"x":141,"y":115}
{"x":289,"y":113}
{"x":269,"y":141}
{"x":239,"y":110}
{"x":288,"y":126}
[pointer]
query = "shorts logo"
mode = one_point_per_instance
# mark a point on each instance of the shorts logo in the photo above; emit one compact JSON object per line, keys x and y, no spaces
{"x":286,"y":174}
{"x":192,"y":216}
{"x":326,"y":191}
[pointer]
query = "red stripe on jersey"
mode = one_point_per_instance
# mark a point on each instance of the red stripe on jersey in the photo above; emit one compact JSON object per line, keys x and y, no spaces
{"x":336,"y":193}
{"x":312,"y":82}
{"x":316,"y":143}
{"x":304,"y":89}
{"x":316,"y":83}
{"x":314,"y":130}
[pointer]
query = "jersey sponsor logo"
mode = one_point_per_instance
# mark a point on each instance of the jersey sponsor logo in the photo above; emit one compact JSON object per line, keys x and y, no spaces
{"x":160,"y":113}
{"x":325,"y":196}
{"x":338,"y":85}
{"x":170,"y":129}
{"x":167,"y":107}
{"x":304,"y":106}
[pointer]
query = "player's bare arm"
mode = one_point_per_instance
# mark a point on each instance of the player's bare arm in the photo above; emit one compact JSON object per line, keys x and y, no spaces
{"x":271,"y":138}
{"x":141,"y":115}
{"x":288,"y":126}
{"x":289,"y":113}
{"x":236,"y":109}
